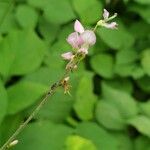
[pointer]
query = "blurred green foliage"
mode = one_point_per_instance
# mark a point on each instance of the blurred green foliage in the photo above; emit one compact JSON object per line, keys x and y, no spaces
{"x":110,"y":104}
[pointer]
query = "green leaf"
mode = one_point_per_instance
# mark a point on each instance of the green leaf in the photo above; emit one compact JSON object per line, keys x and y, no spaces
{"x":47,"y":30}
{"x":76,"y":142}
{"x":40,"y":4}
{"x":141,"y":123}
{"x":145,"y":61}
{"x":103,"y":65}
{"x":132,"y":69}
{"x":58,"y":107}
{"x":143,"y":11}
{"x":109,"y":116}
{"x":120,"y":84}
{"x":145,"y":108}
{"x":142,"y":143}
{"x":7,"y":19}
{"x":126,"y":56}
{"x":18,"y":50}
{"x":88,"y":15}
{"x":58,"y":13}
{"x":26,"y":16}
{"x":23,"y":94}
{"x":116,"y":39}
{"x":143,"y":83}
{"x":125,"y":141}
{"x":101,"y":138}
{"x":43,"y":135}
{"x":120,"y":100}
{"x":3,"y":101}
{"x":145,"y":2}
{"x":6,"y":130}
{"x":85,"y":99}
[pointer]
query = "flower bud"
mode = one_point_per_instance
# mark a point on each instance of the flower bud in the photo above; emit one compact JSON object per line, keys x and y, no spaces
{"x":67,"y":56}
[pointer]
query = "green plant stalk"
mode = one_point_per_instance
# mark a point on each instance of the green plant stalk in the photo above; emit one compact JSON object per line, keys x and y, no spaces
{"x":52,"y":90}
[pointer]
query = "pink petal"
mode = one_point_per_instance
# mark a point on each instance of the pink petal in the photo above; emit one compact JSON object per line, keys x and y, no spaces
{"x":74,"y":40}
{"x":105,"y":14}
{"x":89,"y":37}
{"x":112,"y":25}
{"x":78,"y":27}
{"x":67,"y":56}
{"x":83,"y":50}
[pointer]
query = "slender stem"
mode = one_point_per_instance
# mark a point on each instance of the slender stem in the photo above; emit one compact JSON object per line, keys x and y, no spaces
{"x":22,"y":126}
{"x":35,"y":111}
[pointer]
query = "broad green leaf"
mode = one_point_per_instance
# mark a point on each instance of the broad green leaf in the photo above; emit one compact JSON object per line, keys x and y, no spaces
{"x":76,"y":142}
{"x":45,"y":75}
{"x":145,"y":2}
{"x":116,"y":39}
{"x":125,"y":141}
{"x":142,"y":143}
{"x":100,"y":137}
{"x":23,"y":94}
{"x":126,"y":56}
{"x":85,"y":99}
{"x":143,"y":83}
{"x":145,"y":61}
{"x":21,"y":52}
{"x":57,"y":107}
{"x":7,"y":20}
{"x":43,"y":135}
{"x":47,"y":30}
{"x":6,"y":130}
{"x":103,"y":65}
{"x":89,"y":12}
{"x":26,"y":16}
{"x":141,"y":123}
{"x":40,"y":4}
{"x":145,"y":108}
{"x":58,"y":12}
{"x":109,"y":116}
{"x":132,"y":69}
{"x":3,"y":101}
{"x":143,"y":11}
{"x":121,"y":84}
{"x":120,"y":100}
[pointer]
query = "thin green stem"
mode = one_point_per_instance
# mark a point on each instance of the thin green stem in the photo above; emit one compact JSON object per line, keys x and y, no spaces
{"x":35,"y":111}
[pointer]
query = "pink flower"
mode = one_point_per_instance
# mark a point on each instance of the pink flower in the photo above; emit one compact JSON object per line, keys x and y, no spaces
{"x":78,"y":27}
{"x":67,"y":56}
{"x":104,"y":22}
{"x":81,"y":37}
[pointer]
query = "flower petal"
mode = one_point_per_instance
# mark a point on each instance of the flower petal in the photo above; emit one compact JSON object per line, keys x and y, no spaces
{"x":83,"y":50}
{"x":75,"y":40}
{"x":78,"y":27}
{"x":105,"y":14}
{"x":88,"y":37}
{"x":112,"y":25}
{"x":67,"y":56}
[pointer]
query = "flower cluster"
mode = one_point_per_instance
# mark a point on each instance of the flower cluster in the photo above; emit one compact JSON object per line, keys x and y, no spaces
{"x":81,"y":40}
